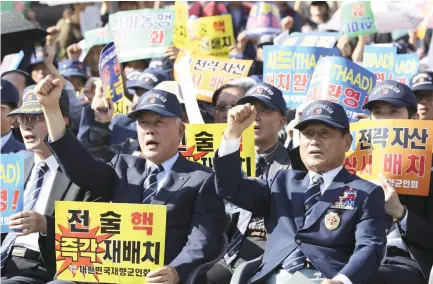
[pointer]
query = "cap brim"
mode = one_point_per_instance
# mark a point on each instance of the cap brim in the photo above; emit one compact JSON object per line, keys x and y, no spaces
{"x":145,"y":86}
{"x":73,"y":74}
{"x":422,"y":87}
{"x":262,"y":99}
{"x":28,"y":111}
{"x":160,"y":111}
{"x":331,"y":123}
{"x":387,"y":100}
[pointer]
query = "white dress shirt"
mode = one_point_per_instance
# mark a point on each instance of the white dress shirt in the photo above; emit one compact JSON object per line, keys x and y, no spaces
{"x":228,"y":147}
{"x":167,"y":165}
{"x":31,"y":241}
{"x":5,"y":139}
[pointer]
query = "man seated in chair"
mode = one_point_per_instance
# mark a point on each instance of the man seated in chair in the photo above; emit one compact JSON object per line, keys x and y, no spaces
{"x":325,"y":223}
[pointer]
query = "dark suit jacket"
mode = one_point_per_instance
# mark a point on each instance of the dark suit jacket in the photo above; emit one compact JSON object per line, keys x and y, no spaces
{"x":12,"y":146}
{"x":63,"y":189}
{"x":418,"y":237}
{"x":195,"y":213}
{"x":354,"y":249}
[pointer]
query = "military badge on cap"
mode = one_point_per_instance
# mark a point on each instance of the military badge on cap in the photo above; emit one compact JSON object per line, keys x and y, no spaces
{"x":332,"y":221}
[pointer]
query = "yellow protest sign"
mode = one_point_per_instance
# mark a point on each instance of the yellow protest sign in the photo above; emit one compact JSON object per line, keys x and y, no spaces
{"x":210,"y":73}
{"x":399,"y":150}
{"x":213,"y":36}
{"x":201,"y":141}
{"x":180,"y":38}
{"x":109,"y":242}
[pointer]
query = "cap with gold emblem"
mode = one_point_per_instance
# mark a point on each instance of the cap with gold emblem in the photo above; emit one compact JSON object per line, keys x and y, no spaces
{"x":422,"y":81}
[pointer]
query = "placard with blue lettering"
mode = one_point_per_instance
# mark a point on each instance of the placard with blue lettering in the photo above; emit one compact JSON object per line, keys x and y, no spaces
{"x":264,"y":18}
{"x":12,"y":188}
{"x":289,"y":68}
{"x":379,"y":60}
{"x":342,"y":81}
{"x":405,"y":67}
{"x":111,"y":73}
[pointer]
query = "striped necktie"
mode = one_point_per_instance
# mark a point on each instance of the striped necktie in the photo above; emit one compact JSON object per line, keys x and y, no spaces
{"x":151,"y":184}
{"x":296,"y":258}
{"x":29,"y":202}
{"x":234,"y":246}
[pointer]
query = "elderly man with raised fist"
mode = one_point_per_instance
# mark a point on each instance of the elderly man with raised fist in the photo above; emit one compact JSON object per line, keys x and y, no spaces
{"x":325,"y":223}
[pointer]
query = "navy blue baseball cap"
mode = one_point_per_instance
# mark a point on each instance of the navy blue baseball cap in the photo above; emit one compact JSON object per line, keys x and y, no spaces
{"x":159,"y":101}
{"x":31,"y":104}
{"x":9,"y":93}
{"x":325,"y":112}
{"x":267,"y":94}
{"x":422,"y":81}
{"x":392,"y":92}
{"x":148,"y":79}
{"x":70,"y":68}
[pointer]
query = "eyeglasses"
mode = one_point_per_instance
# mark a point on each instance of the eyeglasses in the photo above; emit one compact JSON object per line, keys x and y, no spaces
{"x":30,"y":119}
{"x":224,"y":108}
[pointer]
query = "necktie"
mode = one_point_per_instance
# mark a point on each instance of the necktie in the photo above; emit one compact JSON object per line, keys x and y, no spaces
{"x":296,"y":259}
{"x":29,"y":202}
{"x":260,"y":166}
{"x":151,"y":184}
{"x":234,"y":246}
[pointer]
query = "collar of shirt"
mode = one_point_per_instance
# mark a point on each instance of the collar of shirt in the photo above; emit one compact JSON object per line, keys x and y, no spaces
{"x":50,"y":161}
{"x":5,"y":139}
{"x":269,"y":154}
{"x":167,"y":165}
{"x":328,"y":177}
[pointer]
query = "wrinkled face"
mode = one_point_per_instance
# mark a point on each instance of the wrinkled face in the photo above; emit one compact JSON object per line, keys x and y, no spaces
{"x":34,"y":130}
{"x":267,"y":124}
{"x":6,"y":122}
{"x":159,"y":136}
{"x":323,"y":148}
{"x":39,"y":72}
{"x":425,"y":105}
{"x":384,"y":110}
{"x":226,"y":100}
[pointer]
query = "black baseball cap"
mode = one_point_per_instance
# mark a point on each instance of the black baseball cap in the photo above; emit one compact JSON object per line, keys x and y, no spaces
{"x":422,"y":81}
{"x":31,"y":104}
{"x":9,"y":93}
{"x":265,"y":93}
{"x":159,"y":101}
{"x":325,"y":112}
{"x":392,"y":92}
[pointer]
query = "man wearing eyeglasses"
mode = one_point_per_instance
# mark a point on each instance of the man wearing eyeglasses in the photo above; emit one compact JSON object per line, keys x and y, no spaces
{"x":422,"y":86}
{"x":9,"y":102}
{"x":29,"y":257}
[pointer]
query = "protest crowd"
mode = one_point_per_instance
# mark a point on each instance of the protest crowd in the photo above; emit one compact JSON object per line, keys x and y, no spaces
{"x":217,"y":142}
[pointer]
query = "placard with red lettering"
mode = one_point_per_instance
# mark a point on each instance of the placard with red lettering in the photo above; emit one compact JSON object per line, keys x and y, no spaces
{"x":12,"y":188}
{"x":396,"y":149}
{"x":379,"y":60}
{"x":290,"y":68}
{"x":109,"y":242}
{"x":141,"y":34}
{"x":339,"y":80}
{"x":209,"y":73}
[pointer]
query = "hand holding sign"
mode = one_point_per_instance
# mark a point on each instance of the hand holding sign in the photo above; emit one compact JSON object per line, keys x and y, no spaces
{"x":393,"y":206}
{"x":166,"y":274}
{"x":239,"y":118}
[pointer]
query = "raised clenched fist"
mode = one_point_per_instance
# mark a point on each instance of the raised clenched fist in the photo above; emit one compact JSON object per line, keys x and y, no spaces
{"x":239,"y":118}
{"x":48,"y":91}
